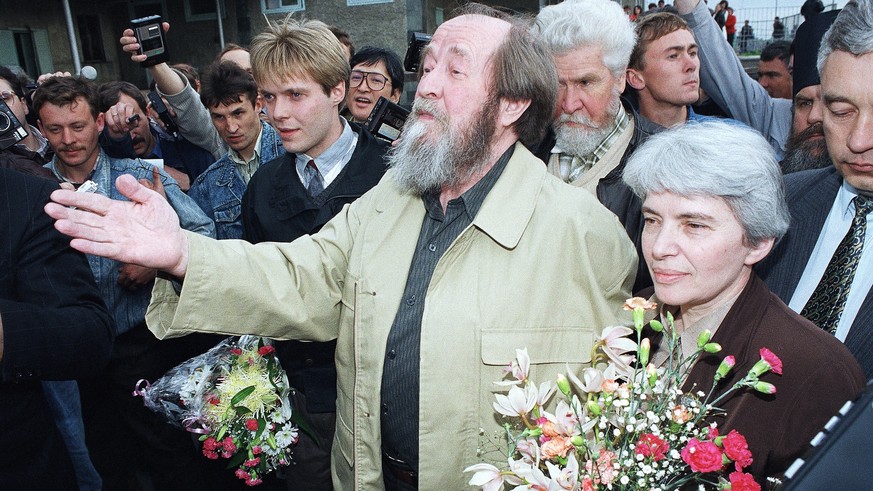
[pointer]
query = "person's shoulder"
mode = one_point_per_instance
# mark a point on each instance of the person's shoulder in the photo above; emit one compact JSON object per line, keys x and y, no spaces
{"x":805,"y":343}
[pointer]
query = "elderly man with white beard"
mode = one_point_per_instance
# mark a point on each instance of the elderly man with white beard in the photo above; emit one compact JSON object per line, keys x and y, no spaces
{"x":466,"y":250}
{"x":595,"y":131}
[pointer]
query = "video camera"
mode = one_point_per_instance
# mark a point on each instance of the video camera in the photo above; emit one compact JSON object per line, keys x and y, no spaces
{"x":11,"y":129}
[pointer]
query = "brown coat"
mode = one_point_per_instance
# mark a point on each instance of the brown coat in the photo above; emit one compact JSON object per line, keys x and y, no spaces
{"x":819,"y":375}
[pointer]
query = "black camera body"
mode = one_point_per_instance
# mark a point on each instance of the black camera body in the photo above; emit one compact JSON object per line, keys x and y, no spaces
{"x":163,"y":113}
{"x":386,"y":119}
{"x":417,"y":42}
{"x":149,"y":33}
{"x":11,"y":130}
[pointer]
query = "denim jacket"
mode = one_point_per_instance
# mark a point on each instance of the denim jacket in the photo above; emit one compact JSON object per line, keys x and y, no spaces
{"x":219,"y":190}
{"x":128,"y":307}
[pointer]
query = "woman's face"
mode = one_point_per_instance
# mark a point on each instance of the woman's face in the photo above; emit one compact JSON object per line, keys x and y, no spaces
{"x":695,"y":250}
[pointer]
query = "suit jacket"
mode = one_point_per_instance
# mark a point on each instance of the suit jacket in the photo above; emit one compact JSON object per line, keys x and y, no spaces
{"x":55,"y":327}
{"x":810,"y":196}
{"x":346,"y":283}
{"x":819,"y":375}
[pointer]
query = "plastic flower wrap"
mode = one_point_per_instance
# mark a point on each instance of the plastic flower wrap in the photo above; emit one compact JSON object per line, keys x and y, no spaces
{"x":622,"y":424}
{"x":236,"y":397}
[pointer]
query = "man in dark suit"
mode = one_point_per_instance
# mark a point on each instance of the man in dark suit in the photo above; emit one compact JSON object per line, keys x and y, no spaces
{"x":329,"y":163}
{"x":53,"y":326}
{"x":823,"y":268}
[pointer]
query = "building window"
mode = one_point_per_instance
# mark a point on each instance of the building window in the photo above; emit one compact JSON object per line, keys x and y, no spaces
{"x":90,"y":38}
{"x":281,"y":6}
{"x":439,"y":16}
{"x":353,"y":3}
{"x":202,"y":10}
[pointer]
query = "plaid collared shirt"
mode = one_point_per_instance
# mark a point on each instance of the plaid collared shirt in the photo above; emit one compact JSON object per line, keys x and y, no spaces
{"x":573,"y":166}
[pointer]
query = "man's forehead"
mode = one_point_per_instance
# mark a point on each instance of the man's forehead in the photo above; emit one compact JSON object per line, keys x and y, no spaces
{"x":79,"y":106}
{"x":286,"y":82}
{"x":475,"y":33}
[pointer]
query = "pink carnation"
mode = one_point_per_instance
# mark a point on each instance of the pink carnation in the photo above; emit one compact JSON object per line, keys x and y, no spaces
{"x":771,"y":359}
{"x":252,"y":462}
{"x":702,"y":456}
{"x":652,"y":446}
{"x":740,"y":481}
{"x":737,"y":449}
{"x":228,"y":445}
{"x":252,"y":424}
{"x":266,"y":350}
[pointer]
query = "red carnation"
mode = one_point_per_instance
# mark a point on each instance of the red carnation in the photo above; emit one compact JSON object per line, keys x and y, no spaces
{"x":235,"y":351}
{"x":252,"y":462}
{"x":652,"y":446}
{"x":252,"y":424}
{"x":228,"y":445}
{"x":737,"y":449}
{"x":740,"y":481}
{"x":702,"y":456}
{"x":771,"y":359}
{"x":266,"y":350}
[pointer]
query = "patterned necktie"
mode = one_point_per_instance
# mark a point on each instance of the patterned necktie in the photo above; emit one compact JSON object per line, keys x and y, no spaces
{"x":826,"y":304}
{"x":315,"y":186}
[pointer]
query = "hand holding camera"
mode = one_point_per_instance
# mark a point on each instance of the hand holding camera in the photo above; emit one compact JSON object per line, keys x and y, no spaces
{"x":145,"y":41}
{"x":120,"y":119}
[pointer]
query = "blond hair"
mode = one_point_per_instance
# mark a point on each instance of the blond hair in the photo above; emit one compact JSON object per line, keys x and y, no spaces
{"x":293,"y":48}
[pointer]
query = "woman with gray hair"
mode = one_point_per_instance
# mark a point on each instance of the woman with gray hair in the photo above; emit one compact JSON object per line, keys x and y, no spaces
{"x":711,"y":212}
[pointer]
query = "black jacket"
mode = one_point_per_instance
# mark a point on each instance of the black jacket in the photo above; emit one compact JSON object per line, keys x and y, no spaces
{"x":276,"y":207}
{"x":55,"y":327}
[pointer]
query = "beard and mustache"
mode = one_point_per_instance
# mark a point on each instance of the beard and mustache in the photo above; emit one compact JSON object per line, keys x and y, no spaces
{"x":583,"y":139}
{"x":804,"y":152}
{"x":430,"y":157}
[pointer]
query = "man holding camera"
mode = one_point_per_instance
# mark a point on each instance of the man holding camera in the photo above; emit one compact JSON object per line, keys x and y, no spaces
{"x":30,"y":153}
{"x":130,"y":133}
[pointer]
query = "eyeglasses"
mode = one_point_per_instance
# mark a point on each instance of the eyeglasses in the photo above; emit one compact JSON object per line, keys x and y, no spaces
{"x":375,"y":80}
{"x":7,"y":96}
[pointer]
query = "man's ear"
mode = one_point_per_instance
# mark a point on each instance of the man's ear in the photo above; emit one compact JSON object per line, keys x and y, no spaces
{"x":511,"y":111}
{"x":635,"y":79}
{"x":100,"y":121}
{"x":395,"y":96}
{"x":338,"y":93}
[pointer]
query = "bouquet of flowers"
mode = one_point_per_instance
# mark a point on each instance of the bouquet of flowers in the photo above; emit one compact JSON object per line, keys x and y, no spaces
{"x":628,"y":426}
{"x":236,"y":397}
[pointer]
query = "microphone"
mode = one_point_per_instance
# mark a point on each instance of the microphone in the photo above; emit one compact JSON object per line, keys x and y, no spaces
{"x":88,"y":72}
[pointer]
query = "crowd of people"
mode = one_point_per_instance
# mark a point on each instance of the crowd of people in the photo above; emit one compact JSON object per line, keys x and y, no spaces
{"x":549,"y":169}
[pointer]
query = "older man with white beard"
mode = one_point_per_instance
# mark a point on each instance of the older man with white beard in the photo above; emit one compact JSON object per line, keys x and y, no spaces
{"x":428,"y":282}
{"x":594,"y":131}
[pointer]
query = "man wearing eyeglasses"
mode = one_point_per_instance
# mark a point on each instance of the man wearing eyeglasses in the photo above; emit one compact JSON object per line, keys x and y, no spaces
{"x":376,"y":72}
{"x":29,"y":154}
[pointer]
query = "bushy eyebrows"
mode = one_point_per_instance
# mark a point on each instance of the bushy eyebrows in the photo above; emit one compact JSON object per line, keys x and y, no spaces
{"x":453,"y":50}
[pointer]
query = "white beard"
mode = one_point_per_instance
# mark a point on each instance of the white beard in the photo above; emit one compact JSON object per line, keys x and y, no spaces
{"x":582,"y":141}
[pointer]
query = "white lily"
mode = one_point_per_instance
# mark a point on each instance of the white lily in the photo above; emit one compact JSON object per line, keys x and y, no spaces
{"x":518,"y":402}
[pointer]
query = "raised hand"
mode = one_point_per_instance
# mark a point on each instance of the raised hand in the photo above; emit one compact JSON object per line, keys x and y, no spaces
{"x":143,"y":231}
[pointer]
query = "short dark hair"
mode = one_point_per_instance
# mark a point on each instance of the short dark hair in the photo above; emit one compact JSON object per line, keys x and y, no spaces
{"x":224,"y":83}
{"x":777,"y":49}
{"x":343,"y":38}
{"x":63,"y":91}
{"x":189,"y":72}
{"x":369,"y":55}
{"x":109,"y":93}
{"x":14,"y":82}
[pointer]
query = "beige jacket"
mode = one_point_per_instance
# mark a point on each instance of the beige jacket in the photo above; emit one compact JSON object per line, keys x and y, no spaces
{"x":543,"y":266}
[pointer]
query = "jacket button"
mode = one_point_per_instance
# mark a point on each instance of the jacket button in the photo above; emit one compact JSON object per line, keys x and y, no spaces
{"x":384,"y":408}
{"x":308,"y":362}
{"x":392,"y":354}
{"x":410,"y":301}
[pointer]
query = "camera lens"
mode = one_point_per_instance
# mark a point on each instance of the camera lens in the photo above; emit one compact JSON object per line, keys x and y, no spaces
{"x":5,"y":122}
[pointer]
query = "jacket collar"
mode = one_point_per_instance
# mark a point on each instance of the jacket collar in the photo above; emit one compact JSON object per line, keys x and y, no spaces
{"x":508,"y":208}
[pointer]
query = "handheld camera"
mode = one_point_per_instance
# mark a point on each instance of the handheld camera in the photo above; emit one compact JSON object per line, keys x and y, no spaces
{"x":149,"y":34}
{"x":163,"y":113}
{"x":11,"y":130}
{"x":387,"y":119}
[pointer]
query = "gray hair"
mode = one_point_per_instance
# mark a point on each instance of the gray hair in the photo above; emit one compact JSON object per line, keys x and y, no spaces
{"x":852,"y":32}
{"x":688,"y":161}
{"x":575,"y":23}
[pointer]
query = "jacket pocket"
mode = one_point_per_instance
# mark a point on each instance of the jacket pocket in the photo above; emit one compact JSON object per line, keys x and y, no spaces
{"x":545,"y":345}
